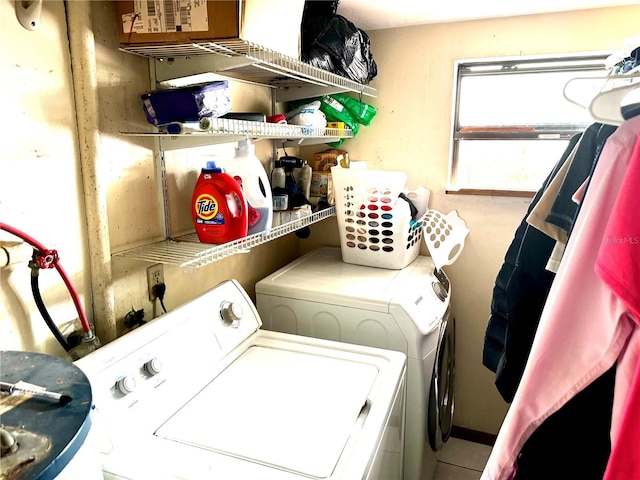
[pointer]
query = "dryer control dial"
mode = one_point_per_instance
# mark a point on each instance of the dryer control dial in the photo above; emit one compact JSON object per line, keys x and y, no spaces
{"x":231,"y":313}
{"x":126,"y":385}
{"x":152,"y":367}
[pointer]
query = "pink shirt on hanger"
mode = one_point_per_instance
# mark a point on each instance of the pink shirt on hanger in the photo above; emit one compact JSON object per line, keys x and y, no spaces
{"x":584,"y":327}
{"x":618,"y":265}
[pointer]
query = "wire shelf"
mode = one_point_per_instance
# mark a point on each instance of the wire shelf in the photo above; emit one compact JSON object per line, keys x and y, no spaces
{"x":223,"y":130}
{"x":245,"y":61}
{"x":187,"y":251}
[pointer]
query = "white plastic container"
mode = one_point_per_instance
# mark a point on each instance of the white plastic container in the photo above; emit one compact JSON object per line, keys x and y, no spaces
{"x":248,"y":170}
{"x":278,"y":176}
{"x":375,"y":226}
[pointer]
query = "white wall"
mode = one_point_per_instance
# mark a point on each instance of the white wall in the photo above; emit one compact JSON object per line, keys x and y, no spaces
{"x":41,"y":190}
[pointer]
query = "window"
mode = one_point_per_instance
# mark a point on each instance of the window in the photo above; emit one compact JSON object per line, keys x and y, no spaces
{"x":512,"y":122}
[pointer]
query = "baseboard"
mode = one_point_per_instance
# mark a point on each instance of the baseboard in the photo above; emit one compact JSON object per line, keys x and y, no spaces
{"x":473,"y":435}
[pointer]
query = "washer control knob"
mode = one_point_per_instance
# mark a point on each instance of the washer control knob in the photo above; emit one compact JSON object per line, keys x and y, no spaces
{"x":152,"y":367}
{"x":231,"y":313}
{"x":126,"y":385}
{"x":439,"y":290}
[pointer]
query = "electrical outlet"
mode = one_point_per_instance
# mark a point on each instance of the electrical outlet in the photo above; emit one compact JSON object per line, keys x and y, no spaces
{"x":155,"y":275}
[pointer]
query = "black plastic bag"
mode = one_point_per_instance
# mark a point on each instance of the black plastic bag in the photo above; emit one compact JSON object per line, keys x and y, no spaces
{"x":343,"y":49}
{"x":315,"y":16}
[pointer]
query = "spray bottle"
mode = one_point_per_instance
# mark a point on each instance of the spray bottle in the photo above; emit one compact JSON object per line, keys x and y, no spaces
{"x":296,"y":197}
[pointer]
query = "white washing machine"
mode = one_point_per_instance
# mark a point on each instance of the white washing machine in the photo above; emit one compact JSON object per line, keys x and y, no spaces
{"x":318,"y":295}
{"x":203,"y":393}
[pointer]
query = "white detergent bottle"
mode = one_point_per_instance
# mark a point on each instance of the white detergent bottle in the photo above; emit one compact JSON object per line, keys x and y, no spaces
{"x":248,"y":171}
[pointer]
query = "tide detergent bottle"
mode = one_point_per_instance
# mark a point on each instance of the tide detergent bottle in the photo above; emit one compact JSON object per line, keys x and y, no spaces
{"x":246,"y":168}
{"x":218,"y":207}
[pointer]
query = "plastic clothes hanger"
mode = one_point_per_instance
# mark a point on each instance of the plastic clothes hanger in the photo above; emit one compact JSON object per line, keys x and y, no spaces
{"x":606,"y":106}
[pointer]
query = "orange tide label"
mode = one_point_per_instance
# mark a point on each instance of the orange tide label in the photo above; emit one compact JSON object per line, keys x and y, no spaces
{"x":206,"y":206}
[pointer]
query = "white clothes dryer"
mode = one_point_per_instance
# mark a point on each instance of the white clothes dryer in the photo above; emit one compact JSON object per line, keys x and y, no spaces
{"x":319,"y":295}
{"x":202,"y":393}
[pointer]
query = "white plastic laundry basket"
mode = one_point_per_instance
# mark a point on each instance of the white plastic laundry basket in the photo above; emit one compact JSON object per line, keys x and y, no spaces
{"x":375,"y":225}
{"x":444,"y":236}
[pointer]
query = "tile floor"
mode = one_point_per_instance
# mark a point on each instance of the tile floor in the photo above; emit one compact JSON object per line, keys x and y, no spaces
{"x":461,"y":460}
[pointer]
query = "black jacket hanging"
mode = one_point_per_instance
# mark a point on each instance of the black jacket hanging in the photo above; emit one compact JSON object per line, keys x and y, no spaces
{"x":523,"y":283}
{"x":519,"y":294}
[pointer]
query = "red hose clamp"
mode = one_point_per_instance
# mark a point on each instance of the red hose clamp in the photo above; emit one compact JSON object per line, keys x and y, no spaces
{"x":47,"y":258}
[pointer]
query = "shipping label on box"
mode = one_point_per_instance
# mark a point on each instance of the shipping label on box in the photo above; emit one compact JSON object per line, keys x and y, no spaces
{"x":157,"y":16}
{"x":177,"y":22}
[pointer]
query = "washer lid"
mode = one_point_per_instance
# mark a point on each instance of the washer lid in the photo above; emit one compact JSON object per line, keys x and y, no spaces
{"x":289,"y":410}
{"x":322,"y":276}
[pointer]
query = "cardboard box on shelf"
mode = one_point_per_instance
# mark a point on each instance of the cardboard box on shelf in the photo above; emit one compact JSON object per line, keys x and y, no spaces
{"x":323,"y":161}
{"x":145,"y":22}
{"x":319,"y":183}
{"x":321,"y":188}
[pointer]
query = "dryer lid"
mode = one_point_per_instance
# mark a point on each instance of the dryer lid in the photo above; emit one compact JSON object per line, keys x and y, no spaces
{"x":290,"y":410}
{"x":322,"y":276}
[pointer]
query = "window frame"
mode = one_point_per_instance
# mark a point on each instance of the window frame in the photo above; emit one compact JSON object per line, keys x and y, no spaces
{"x":582,"y":62}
